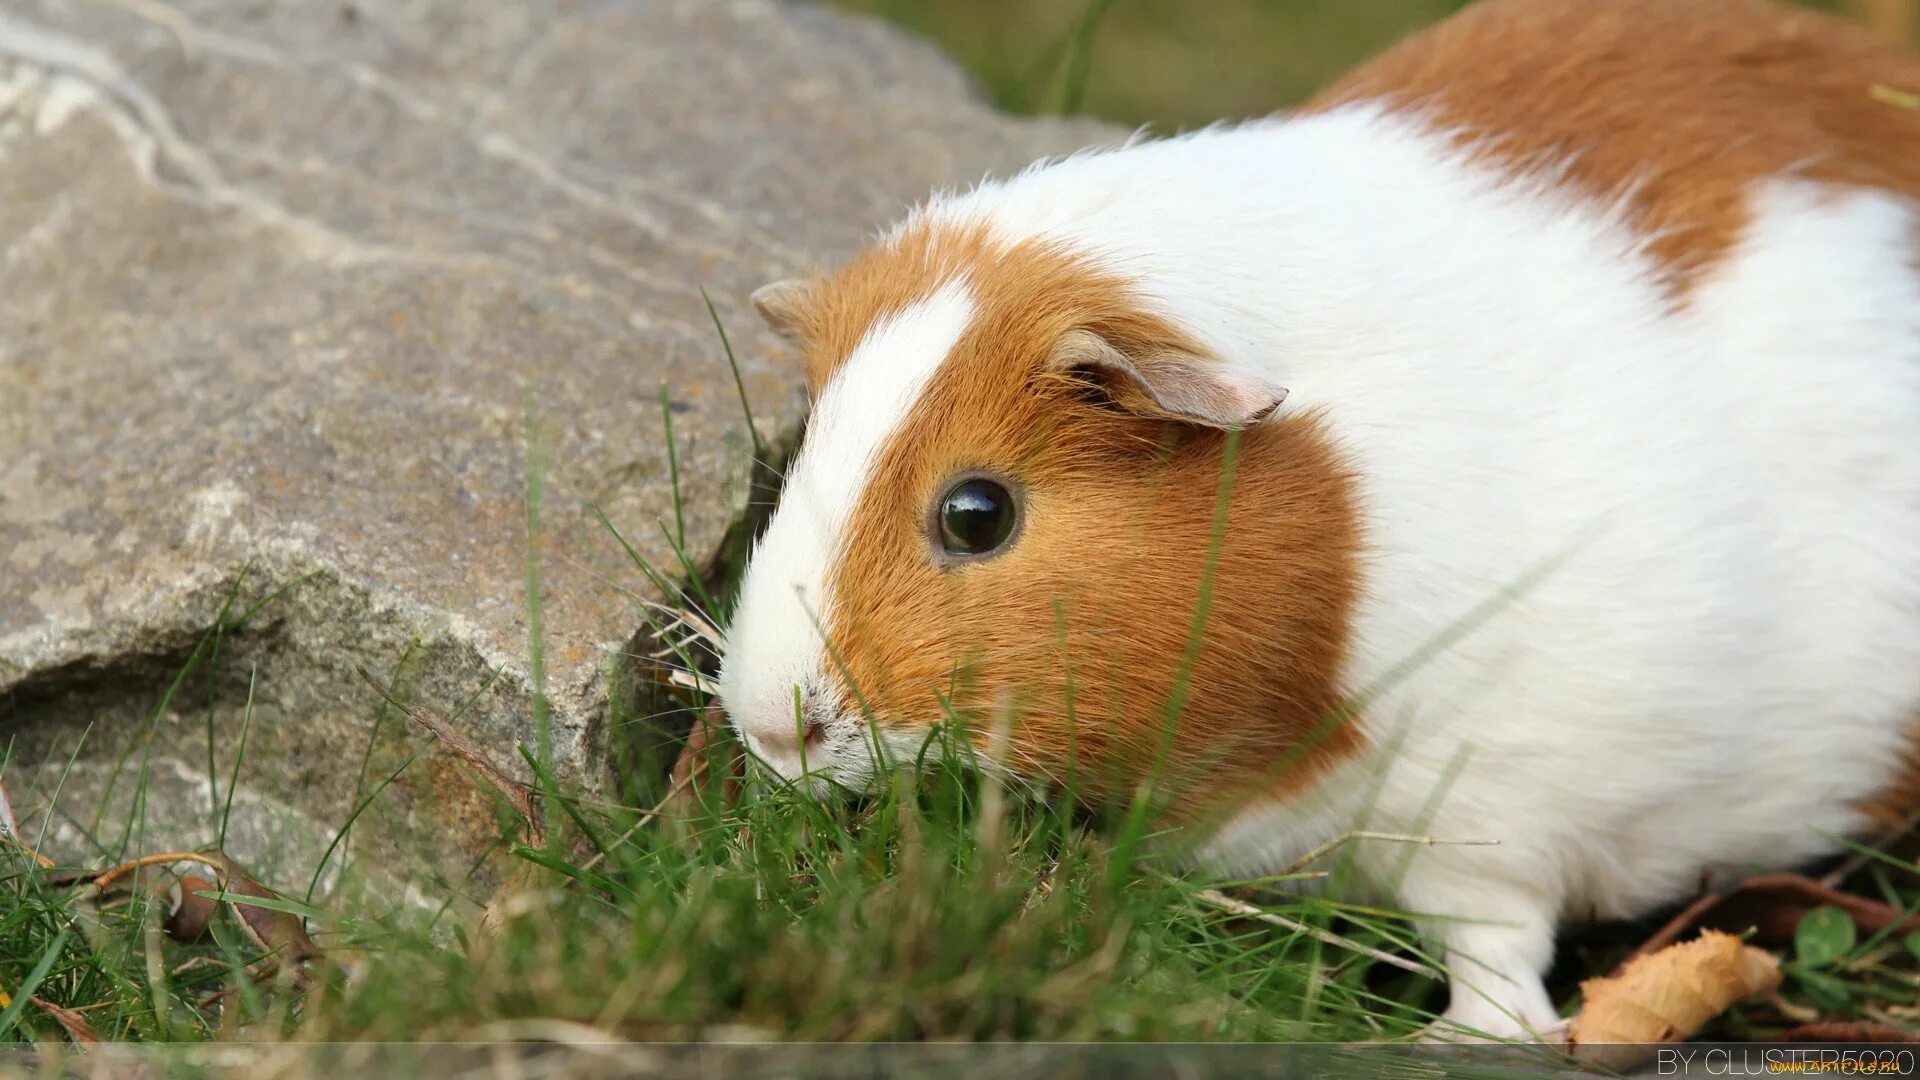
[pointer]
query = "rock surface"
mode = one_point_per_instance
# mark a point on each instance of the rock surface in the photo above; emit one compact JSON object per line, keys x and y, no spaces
{"x":292,"y":293}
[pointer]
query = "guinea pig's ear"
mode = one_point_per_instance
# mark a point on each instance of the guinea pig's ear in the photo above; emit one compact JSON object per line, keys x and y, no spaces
{"x":1169,"y":382}
{"x":784,"y":305}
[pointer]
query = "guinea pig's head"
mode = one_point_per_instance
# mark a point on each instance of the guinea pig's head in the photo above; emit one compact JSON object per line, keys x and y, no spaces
{"x":1003,"y":513}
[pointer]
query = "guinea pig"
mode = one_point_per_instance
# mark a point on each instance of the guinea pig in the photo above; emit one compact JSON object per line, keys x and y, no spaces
{"x":1558,"y":372}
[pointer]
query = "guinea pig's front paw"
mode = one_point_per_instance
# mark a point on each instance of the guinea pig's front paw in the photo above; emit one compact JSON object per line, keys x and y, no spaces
{"x":1490,"y":1006}
{"x":1495,"y":1028}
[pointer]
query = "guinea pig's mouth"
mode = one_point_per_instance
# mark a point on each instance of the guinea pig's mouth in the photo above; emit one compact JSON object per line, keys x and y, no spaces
{"x":847,"y":754}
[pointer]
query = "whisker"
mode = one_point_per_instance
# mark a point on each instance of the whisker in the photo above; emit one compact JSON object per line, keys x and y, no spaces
{"x":687,"y":602}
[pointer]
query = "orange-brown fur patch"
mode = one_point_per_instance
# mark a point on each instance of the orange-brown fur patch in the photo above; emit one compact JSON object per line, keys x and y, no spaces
{"x":880,"y":282}
{"x":1896,"y":808}
{"x":1081,"y":625}
{"x":1671,"y":107}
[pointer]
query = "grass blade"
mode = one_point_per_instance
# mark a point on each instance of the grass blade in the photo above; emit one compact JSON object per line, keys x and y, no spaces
{"x":753,"y":432}
{"x":27,"y":989}
{"x":536,"y":631}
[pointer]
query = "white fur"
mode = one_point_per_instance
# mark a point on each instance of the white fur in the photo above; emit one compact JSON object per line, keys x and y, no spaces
{"x":1708,"y":514}
{"x":1680,"y":542}
{"x":775,"y":643}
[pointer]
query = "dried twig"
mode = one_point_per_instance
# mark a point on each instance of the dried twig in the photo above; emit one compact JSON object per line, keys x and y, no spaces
{"x":1899,"y":99}
{"x":1216,"y":898}
{"x":1345,"y":838}
{"x":106,"y":878}
{"x":516,"y":891}
{"x":1232,"y":905}
{"x":1672,"y":930}
{"x":1771,"y":904}
{"x":517,"y":794}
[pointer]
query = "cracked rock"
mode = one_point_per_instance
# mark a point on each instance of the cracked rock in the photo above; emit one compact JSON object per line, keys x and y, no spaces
{"x":290,"y":297}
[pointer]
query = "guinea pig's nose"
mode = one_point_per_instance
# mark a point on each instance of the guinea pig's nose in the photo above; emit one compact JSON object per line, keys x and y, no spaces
{"x":792,"y":739}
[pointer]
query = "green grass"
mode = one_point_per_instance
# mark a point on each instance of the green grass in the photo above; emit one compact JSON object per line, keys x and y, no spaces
{"x":941,"y":908}
{"x":896,"y":920}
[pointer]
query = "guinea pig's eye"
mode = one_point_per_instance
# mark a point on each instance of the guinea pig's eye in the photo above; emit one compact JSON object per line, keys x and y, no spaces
{"x":976,"y":517}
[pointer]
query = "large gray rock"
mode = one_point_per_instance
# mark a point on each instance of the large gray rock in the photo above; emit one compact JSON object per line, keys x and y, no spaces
{"x":284,"y":287}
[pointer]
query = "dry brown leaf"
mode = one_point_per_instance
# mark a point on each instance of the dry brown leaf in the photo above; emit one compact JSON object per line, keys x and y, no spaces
{"x":76,"y":1025}
{"x":282,"y":934}
{"x":1666,"y":996}
{"x":192,"y":911}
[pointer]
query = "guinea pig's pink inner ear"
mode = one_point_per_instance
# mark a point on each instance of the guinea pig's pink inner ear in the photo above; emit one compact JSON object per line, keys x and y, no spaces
{"x":1169,"y":382}
{"x":785,"y":306}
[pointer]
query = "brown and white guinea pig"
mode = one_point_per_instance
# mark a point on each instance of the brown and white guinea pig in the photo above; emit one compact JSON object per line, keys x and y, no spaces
{"x":1574,"y":350}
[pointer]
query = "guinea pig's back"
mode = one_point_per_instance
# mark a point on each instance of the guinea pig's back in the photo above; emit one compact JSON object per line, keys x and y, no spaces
{"x":1670,"y":108}
{"x":1686,"y":398}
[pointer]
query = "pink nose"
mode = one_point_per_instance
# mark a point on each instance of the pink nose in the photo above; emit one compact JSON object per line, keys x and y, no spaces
{"x":791,"y":738}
